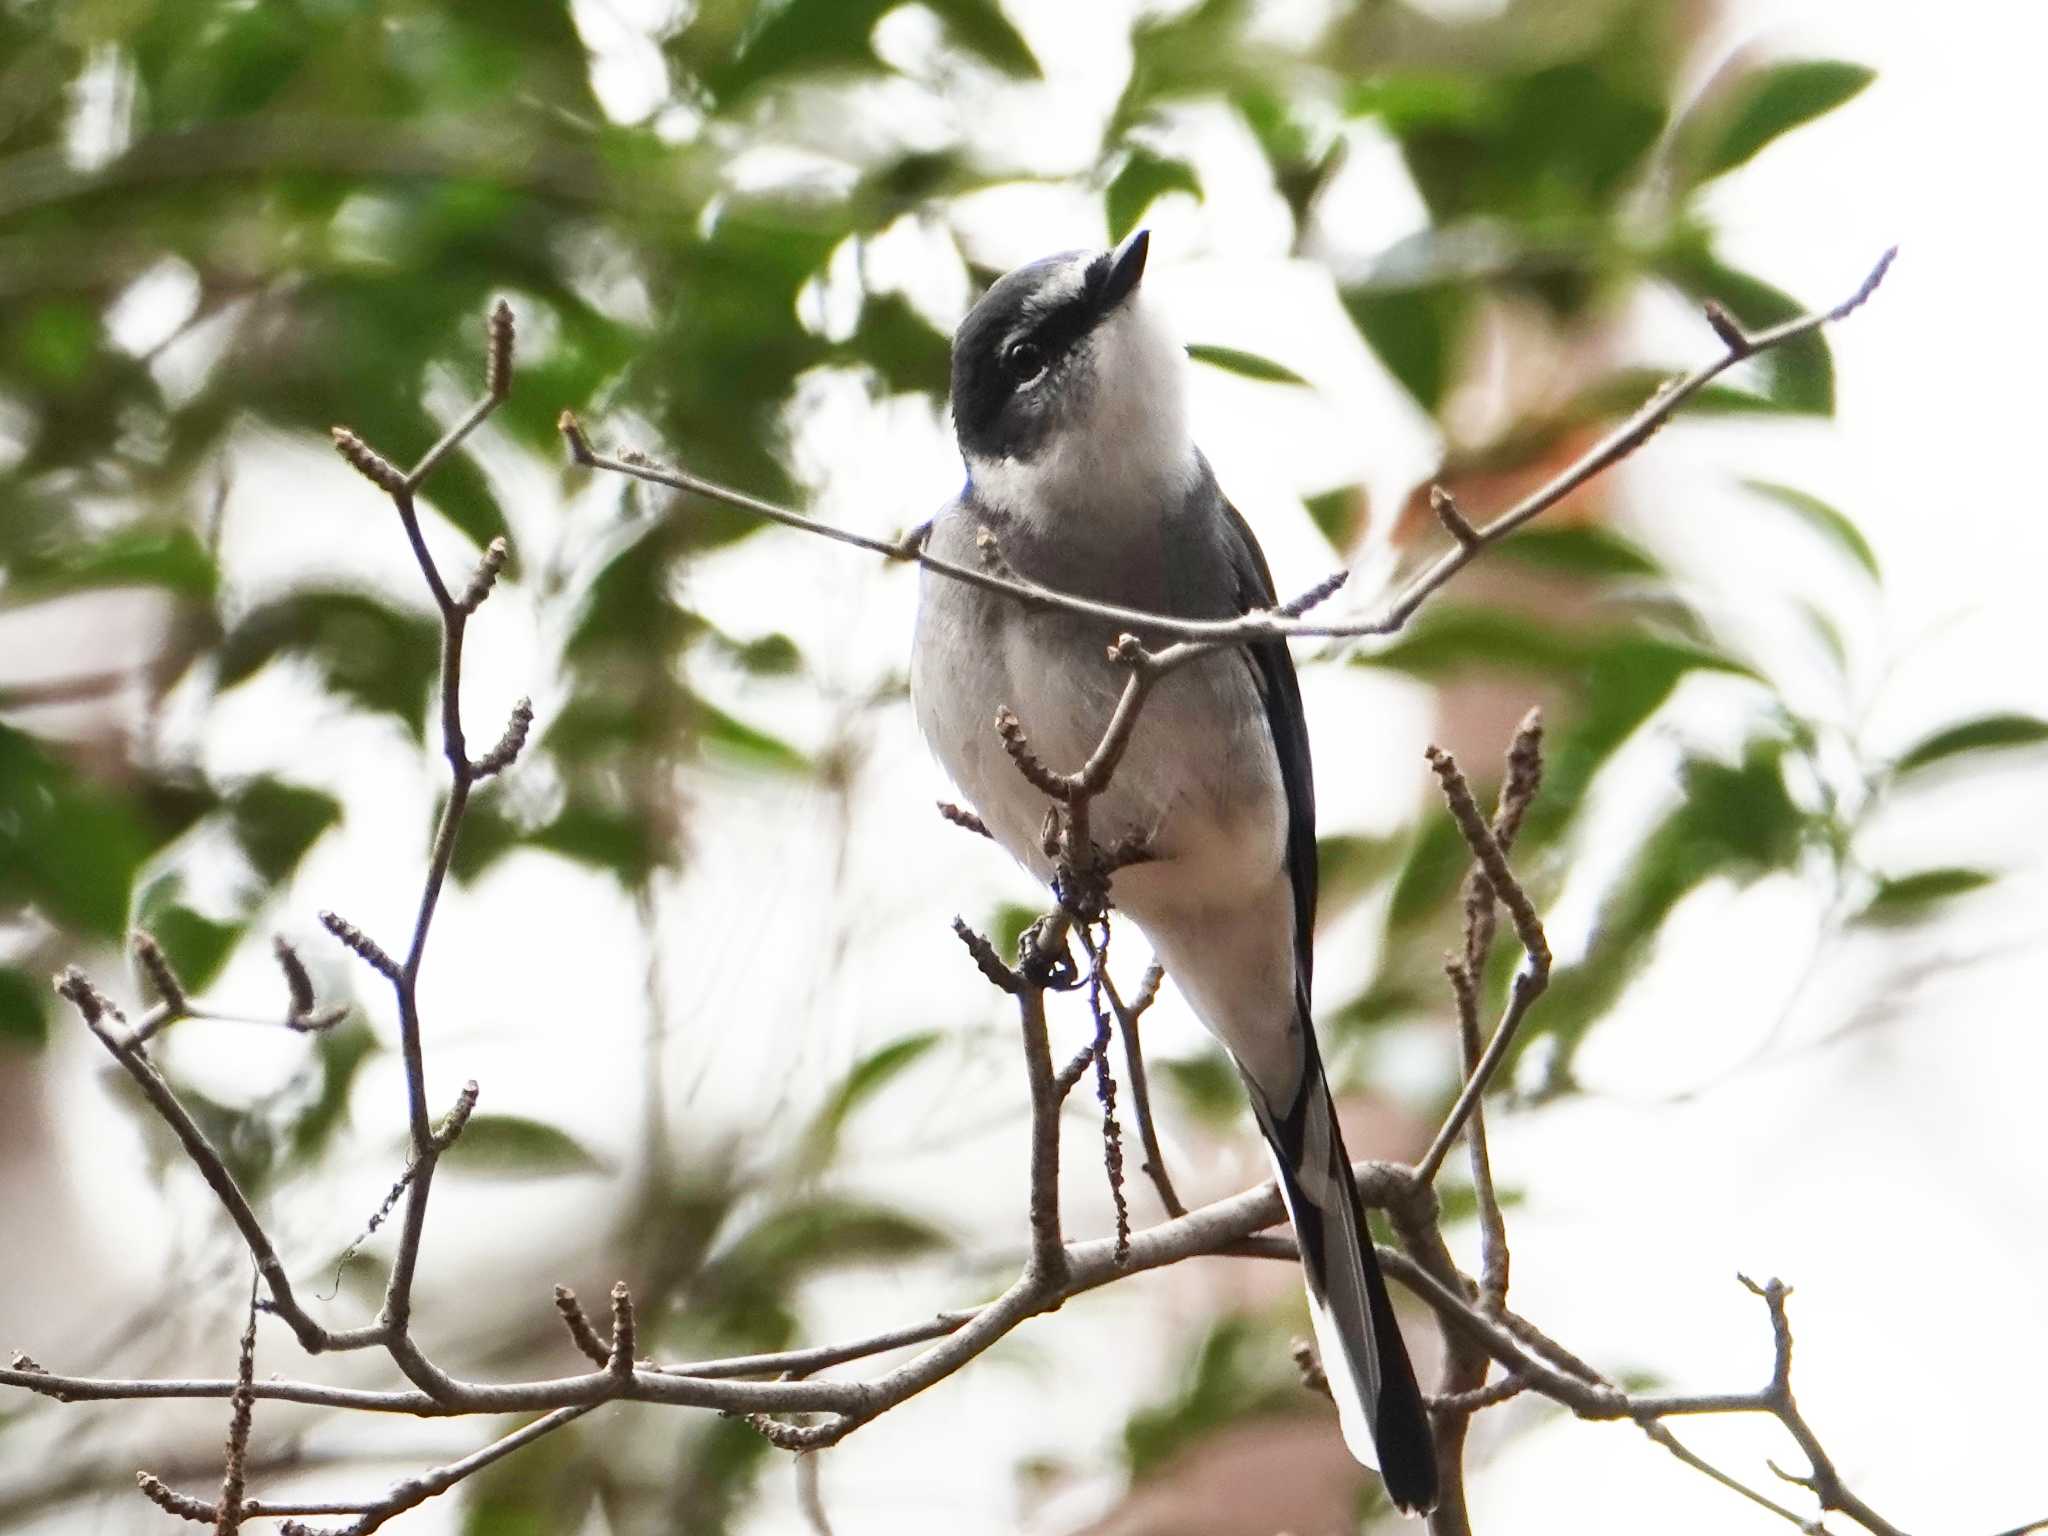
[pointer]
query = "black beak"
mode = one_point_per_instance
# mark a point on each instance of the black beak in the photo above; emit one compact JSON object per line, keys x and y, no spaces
{"x":1126,"y":266}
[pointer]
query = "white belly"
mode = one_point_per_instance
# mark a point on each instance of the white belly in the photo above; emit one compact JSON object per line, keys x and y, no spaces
{"x":1200,"y":783}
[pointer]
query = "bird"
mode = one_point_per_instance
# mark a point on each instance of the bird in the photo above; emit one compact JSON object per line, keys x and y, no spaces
{"x":1069,"y":405}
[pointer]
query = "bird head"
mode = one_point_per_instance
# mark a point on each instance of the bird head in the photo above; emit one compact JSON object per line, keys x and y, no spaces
{"x":1068,"y":382}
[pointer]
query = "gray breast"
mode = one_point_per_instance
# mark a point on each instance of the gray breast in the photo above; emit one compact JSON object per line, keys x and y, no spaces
{"x":1200,"y":781}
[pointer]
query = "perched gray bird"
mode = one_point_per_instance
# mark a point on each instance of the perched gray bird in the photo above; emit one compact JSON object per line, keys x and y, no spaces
{"x":1069,"y":402}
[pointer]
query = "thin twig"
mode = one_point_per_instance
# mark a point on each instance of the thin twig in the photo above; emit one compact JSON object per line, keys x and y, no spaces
{"x":1624,"y":440}
{"x":1529,"y":982}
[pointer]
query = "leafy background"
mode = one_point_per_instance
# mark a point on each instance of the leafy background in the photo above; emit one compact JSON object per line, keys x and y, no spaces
{"x":697,"y":956}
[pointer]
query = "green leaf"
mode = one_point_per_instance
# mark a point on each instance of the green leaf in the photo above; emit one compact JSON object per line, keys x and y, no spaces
{"x":170,"y":558}
{"x":516,"y":1147}
{"x":827,"y":1231}
{"x":770,"y":655}
{"x":1407,"y":103}
{"x":1798,"y":375}
{"x":791,"y":37}
{"x":1007,"y":927}
{"x":276,"y":823}
{"x":22,"y":1020}
{"x":1985,"y":733}
{"x":1144,"y":178}
{"x":1208,"y":1085}
{"x":1415,"y":331}
{"x":1340,"y":514}
{"x":197,"y":946}
{"x":981,"y":28}
{"x":1347,"y":862}
{"x":907,"y":353}
{"x":340,"y":1053}
{"x":621,"y":841}
{"x":1824,"y":519}
{"x":1770,"y":103}
{"x":68,"y":848}
{"x":870,"y":1075}
{"x":377,"y":655}
{"x":1240,"y":1369}
{"x":1582,"y":549}
{"x":1910,"y":898}
{"x":1436,"y":862}
{"x":1248,"y":364}
{"x":750,"y":746}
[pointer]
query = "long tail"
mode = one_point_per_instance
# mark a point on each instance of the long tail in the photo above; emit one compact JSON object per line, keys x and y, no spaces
{"x":1378,"y":1404}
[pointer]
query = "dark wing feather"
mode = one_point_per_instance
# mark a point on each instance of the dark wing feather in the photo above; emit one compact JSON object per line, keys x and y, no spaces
{"x":1273,"y":665}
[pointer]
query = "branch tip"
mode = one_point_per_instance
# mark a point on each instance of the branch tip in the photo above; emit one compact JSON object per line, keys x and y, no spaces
{"x":572,"y":434}
{"x":1725,"y":326}
{"x":452,"y":1125}
{"x":580,"y":1332}
{"x":370,"y":464}
{"x":172,"y":1502}
{"x":366,"y":948}
{"x":1445,"y":506}
{"x":964,"y":819}
{"x":157,"y":966}
{"x":1869,"y":286}
{"x":498,"y":357}
{"x":619,"y":1361}
{"x":485,"y":576}
{"x":502,"y":756}
{"x":987,"y":961}
{"x":1315,"y":596}
{"x":298,"y":980}
{"x":93,"y":1005}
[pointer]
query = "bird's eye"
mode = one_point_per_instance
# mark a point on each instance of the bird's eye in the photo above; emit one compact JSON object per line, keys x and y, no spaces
{"x":1023,"y":361}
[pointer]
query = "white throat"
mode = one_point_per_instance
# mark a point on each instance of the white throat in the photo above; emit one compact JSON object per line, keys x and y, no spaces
{"x":1128,"y":453}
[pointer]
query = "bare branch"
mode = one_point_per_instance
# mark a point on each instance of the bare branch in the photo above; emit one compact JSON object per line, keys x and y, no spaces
{"x":502,"y":756}
{"x":227,"y":1519}
{"x":366,"y":948}
{"x":485,"y":577}
{"x":1534,"y":976}
{"x":619,"y":1365}
{"x":1624,"y":440}
{"x":498,"y":354}
{"x":157,"y":966}
{"x":1445,"y":506}
{"x":298,"y":980}
{"x":368,"y":462}
{"x":580,"y":1332}
{"x":964,"y":819}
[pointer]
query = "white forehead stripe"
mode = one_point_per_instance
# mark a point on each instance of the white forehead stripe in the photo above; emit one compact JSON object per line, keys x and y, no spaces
{"x":1062,"y":287}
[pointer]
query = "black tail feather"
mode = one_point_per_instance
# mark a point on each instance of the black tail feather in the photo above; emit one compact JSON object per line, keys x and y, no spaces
{"x":1344,"y":1280}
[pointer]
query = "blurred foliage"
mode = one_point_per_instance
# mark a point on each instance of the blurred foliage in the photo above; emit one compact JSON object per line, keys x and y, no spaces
{"x":225,"y":223}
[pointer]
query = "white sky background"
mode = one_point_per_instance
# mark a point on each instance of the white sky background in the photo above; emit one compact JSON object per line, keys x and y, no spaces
{"x":1896,"y":1177}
